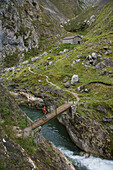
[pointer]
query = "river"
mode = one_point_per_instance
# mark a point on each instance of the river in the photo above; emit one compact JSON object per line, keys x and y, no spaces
{"x":57,"y":134}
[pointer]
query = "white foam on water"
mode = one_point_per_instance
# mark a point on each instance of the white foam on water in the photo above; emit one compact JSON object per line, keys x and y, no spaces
{"x":92,"y":163}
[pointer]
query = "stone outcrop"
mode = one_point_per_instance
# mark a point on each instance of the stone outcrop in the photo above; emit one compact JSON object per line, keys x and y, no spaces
{"x":23,"y":98}
{"x":106,"y":62}
{"x":14,"y":155}
{"x":87,"y":134}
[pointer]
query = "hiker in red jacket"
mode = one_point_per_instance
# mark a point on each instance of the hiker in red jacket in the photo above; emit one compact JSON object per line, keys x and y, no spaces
{"x":44,"y":110}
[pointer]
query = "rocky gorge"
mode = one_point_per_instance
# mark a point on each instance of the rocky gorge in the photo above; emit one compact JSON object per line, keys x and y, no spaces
{"x":38,"y":69}
{"x":18,"y":152}
{"x":78,"y":127}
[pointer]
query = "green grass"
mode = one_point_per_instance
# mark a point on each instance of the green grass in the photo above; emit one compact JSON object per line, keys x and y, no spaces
{"x":77,"y":24}
{"x":28,"y":144}
{"x":66,"y":8}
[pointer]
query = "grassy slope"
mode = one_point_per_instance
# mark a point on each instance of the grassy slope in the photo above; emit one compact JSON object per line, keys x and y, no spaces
{"x":66,"y":8}
{"x":77,"y":23}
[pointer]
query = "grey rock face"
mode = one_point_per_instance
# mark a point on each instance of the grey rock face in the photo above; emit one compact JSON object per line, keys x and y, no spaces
{"x":87,"y":134}
{"x":21,"y":28}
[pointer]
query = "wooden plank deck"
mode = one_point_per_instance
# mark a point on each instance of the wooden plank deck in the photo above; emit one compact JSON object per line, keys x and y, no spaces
{"x":43,"y":120}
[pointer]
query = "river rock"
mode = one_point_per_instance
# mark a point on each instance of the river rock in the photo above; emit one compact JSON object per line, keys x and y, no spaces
{"x":95,"y":62}
{"x":74,"y":79}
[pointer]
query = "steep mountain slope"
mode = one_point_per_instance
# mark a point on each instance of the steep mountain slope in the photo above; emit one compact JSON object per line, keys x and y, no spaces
{"x":32,"y":25}
{"x":91,"y":125}
{"x":24,"y":23}
{"x":92,"y":61}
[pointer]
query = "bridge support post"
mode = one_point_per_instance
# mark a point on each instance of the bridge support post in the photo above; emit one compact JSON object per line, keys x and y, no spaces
{"x":56,"y":111}
{"x":49,"y":109}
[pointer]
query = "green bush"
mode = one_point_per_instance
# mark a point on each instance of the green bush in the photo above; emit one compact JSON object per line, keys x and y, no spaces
{"x":31,"y":53}
{"x":11,"y":60}
{"x":65,"y":46}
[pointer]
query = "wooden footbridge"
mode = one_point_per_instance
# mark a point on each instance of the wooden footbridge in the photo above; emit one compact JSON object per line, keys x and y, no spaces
{"x":43,"y":120}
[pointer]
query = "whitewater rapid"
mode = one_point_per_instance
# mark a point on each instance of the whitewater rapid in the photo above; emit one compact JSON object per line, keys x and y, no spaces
{"x":91,"y":163}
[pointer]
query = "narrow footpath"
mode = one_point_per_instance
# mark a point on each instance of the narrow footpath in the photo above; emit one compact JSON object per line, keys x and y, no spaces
{"x":47,"y":80}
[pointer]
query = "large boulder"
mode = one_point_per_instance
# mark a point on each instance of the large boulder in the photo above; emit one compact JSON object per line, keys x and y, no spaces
{"x":105,"y":63}
{"x":94,"y":55}
{"x":67,"y":84}
{"x":74,"y":79}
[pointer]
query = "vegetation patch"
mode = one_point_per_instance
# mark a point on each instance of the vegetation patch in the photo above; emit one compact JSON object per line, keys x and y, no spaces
{"x":11,"y":60}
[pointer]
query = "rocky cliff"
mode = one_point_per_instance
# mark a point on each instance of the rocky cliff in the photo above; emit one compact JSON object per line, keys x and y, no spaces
{"x":25,"y":25}
{"x":87,"y":134}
